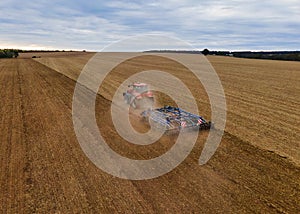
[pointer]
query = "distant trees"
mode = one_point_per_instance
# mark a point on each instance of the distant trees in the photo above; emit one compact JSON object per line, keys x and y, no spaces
{"x":16,"y":53}
{"x":205,"y":52}
{"x":9,"y":53}
{"x":273,"y":55}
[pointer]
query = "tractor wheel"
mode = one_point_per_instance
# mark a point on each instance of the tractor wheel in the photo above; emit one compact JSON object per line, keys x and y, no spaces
{"x":151,"y":102}
{"x":125,"y":98}
{"x":133,"y":104}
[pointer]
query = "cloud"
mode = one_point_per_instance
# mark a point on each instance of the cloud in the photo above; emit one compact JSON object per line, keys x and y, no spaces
{"x":92,"y":25}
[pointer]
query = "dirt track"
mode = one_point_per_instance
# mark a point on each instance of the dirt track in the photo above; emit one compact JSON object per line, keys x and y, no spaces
{"x":44,"y":169}
{"x":262,"y":95}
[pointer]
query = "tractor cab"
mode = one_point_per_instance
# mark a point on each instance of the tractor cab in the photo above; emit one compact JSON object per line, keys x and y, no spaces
{"x":139,"y":87}
{"x":138,"y":95}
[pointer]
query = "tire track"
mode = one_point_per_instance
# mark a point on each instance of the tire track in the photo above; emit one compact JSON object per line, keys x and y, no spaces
{"x":59,"y":178}
{"x":13,"y":195}
{"x":232,"y":183}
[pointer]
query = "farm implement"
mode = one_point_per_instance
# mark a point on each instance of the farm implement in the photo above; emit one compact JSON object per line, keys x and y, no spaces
{"x":175,"y":119}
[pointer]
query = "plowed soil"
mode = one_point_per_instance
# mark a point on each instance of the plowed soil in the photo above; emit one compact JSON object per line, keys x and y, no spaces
{"x":43,"y":169}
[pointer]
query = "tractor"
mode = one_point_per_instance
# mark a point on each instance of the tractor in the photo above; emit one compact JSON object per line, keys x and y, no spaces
{"x":138,"y":96}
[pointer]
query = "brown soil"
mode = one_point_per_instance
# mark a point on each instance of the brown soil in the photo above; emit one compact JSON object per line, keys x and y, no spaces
{"x":43,"y":168}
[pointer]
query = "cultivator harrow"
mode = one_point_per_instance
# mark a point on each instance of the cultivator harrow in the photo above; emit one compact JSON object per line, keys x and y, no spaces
{"x":175,"y":119}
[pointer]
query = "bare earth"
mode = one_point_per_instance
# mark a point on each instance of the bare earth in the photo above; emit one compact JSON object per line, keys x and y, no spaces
{"x":255,"y":169}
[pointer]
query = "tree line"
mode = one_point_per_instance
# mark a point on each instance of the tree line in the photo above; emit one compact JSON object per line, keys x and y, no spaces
{"x":9,"y":53}
{"x":272,"y":55}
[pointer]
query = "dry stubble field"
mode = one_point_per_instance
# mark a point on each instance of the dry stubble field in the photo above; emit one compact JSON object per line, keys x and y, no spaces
{"x":255,"y":169}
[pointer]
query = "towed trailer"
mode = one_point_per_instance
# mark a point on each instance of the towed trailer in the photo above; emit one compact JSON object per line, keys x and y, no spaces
{"x":175,"y":119}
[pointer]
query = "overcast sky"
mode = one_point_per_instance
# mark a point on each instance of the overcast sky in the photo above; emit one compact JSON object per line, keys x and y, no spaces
{"x":92,"y":25}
